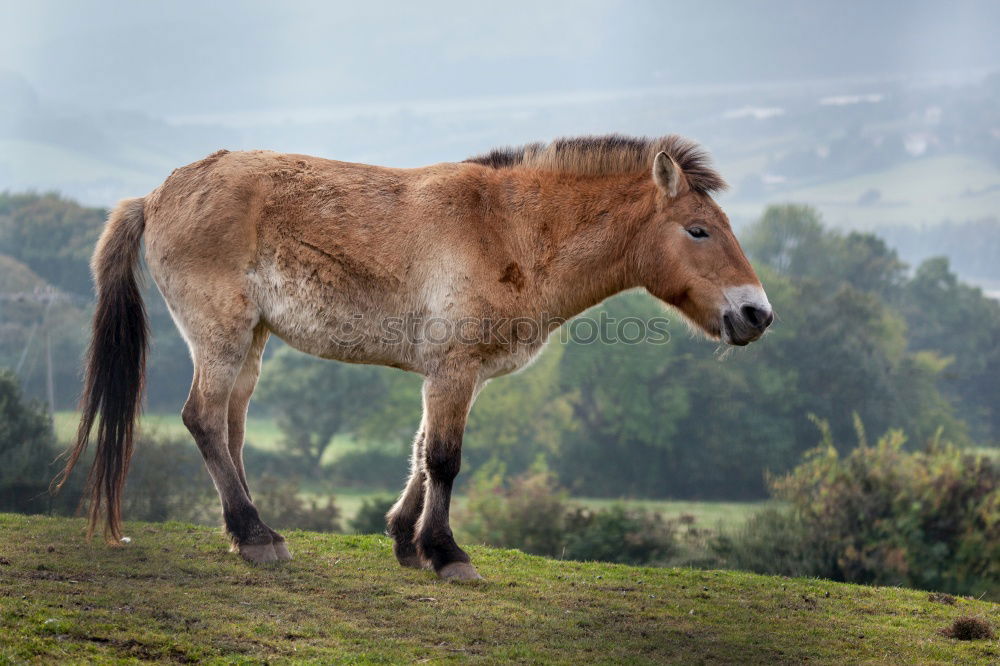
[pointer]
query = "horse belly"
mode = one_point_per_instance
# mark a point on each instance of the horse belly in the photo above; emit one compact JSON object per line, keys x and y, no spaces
{"x":330,"y":323}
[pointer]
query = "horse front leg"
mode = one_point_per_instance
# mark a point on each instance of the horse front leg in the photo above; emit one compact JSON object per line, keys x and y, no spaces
{"x":447,"y":399}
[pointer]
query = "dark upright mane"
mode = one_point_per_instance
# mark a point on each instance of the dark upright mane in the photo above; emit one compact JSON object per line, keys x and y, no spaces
{"x":610,"y":154}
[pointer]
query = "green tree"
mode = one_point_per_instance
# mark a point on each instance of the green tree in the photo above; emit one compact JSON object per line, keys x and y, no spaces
{"x":791,"y":240}
{"x":27,"y":449}
{"x":46,"y":241}
{"x":851,"y":345}
{"x":313,"y":400}
{"x":52,"y":235}
{"x":516,"y":419}
{"x":959,"y":323}
{"x":627,"y":402}
{"x":39,"y":323}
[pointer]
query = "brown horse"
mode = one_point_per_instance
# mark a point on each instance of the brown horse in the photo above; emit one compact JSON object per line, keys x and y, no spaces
{"x":334,"y":257}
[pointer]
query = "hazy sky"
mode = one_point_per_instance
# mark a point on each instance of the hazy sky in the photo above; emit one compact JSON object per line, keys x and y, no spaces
{"x":189,"y":57}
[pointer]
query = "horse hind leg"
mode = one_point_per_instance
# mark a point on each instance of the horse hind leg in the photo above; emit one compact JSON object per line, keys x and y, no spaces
{"x":239,"y":400}
{"x":221,"y":333}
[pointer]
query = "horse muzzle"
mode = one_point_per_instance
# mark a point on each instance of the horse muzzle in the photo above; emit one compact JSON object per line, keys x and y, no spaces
{"x":746,"y":315}
{"x":745,"y":325}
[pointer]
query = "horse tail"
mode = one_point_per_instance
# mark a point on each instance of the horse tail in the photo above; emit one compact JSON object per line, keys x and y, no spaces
{"x":116,"y":362}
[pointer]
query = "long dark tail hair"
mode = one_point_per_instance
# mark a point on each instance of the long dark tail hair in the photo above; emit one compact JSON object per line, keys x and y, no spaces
{"x":116,"y":366}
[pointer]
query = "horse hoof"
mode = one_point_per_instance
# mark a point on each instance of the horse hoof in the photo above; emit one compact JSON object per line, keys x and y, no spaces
{"x":281,"y":551}
{"x":459,"y":572}
{"x":259,"y":553}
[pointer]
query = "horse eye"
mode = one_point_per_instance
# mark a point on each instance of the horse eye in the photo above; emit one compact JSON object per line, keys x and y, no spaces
{"x":697,"y":232}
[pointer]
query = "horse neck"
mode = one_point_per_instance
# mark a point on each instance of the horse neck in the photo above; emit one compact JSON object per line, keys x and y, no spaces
{"x":583,"y":235}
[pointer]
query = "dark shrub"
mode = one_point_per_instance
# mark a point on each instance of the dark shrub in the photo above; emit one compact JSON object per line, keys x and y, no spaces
{"x":968,"y":628}
{"x":619,"y":534}
{"x":531,"y":513}
{"x":264,"y":462}
{"x":370,"y":518}
{"x":774,"y":541}
{"x":282,"y":505}
{"x":882,"y":515}
{"x":370,"y":468}
{"x":27,"y":453}
{"x":528,"y":513}
{"x":167,"y":480}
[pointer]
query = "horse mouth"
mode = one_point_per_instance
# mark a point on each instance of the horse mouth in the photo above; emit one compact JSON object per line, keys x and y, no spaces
{"x":736,"y":333}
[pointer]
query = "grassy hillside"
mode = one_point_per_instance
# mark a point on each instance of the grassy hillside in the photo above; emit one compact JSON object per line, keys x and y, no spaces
{"x":175,"y":593}
{"x":917,"y":192}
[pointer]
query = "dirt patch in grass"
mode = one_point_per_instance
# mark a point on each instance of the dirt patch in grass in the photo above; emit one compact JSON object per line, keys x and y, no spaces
{"x":942,"y":598}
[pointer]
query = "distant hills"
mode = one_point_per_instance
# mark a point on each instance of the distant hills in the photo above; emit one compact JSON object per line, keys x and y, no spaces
{"x":872,"y":153}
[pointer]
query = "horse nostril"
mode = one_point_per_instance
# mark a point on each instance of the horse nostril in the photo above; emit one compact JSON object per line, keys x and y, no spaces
{"x":757,"y":317}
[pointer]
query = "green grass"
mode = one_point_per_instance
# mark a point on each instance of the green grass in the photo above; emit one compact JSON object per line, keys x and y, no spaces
{"x":261,"y":431}
{"x":722,"y":516}
{"x":175,"y":594}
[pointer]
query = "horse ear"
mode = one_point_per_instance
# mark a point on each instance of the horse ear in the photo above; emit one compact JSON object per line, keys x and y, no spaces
{"x":668,"y":175}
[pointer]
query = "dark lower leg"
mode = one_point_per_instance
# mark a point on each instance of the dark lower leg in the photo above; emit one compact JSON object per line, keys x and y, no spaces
{"x":244,"y":525}
{"x":206,"y":420}
{"x":447,"y":398}
{"x":434,"y":539}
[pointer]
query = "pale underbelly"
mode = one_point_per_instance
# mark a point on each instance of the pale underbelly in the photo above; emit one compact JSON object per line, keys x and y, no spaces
{"x":322,"y":322}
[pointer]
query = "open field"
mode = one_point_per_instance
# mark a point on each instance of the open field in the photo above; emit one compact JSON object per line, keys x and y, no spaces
{"x":720,"y":516}
{"x":261,"y":431}
{"x":723,"y":516}
{"x":176,"y":594}
{"x":264,"y":434}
